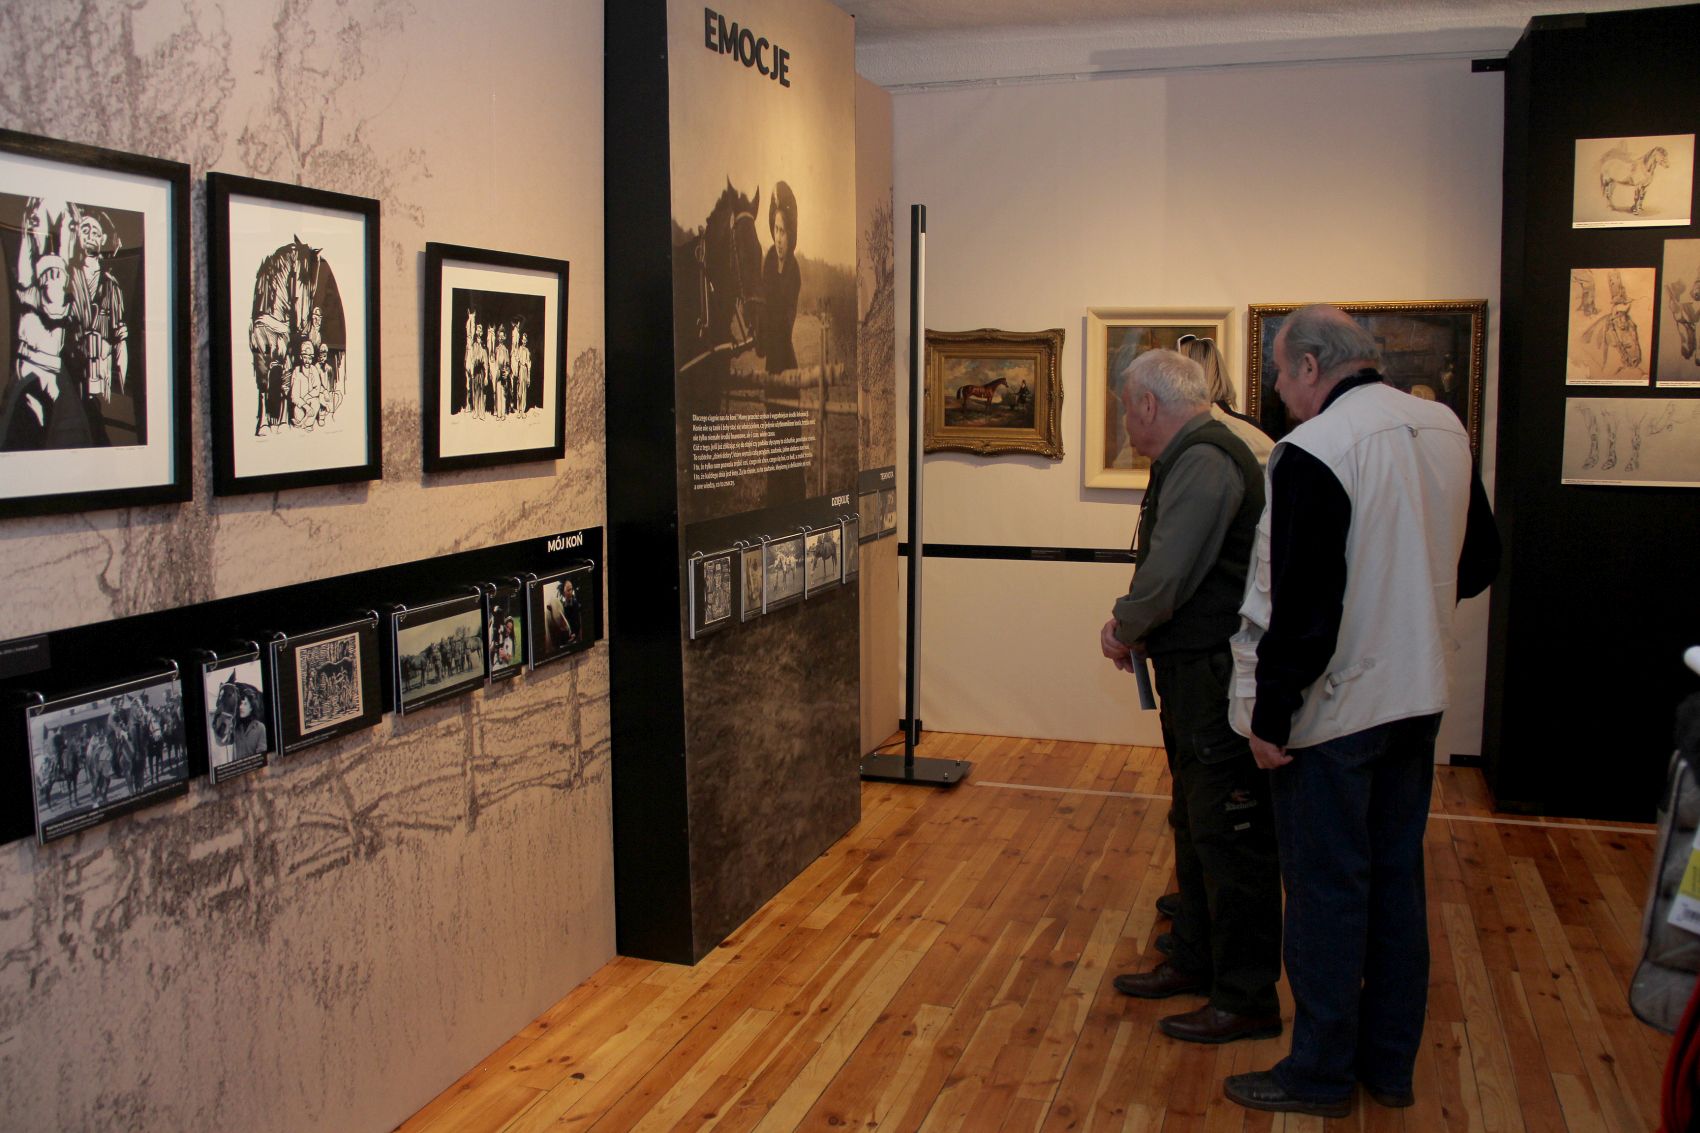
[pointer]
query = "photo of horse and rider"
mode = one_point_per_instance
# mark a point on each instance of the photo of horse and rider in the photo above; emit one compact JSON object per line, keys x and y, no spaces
{"x":238,"y":721}
{"x":95,"y":754}
{"x":784,"y":570}
{"x":75,"y":369}
{"x":498,"y":354}
{"x":821,"y":551}
{"x":439,"y":651}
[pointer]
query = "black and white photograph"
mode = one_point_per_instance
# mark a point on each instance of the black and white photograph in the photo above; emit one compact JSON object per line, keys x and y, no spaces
{"x":328,"y":683}
{"x":783,"y":567}
{"x":1634,"y":182}
{"x":563,"y":609}
{"x":99,"y":753}
{"x":868,"y":512}
{"x":505,"y":622}
{"x":711,"y":591}
{"x":825,"y":565}
{"x":888,"y":511}
{"x":1679,"y":314}
{"x":495,"y":357}
{"x":294,"y":301}
{"x":752,"y":582}
{"x":238,"y":711}
{"x":93,"y":362}
{"x":439,"y":651}
{"x":852,"y":546}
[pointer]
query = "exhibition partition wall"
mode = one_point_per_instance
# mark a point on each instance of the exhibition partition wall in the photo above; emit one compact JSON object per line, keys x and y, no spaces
{"x":733,"y":457}
{"x":1599,"y":431}
{"x":327,"y":942}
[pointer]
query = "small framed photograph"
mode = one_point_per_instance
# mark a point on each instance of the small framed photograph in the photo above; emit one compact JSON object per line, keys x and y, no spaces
{"x":752,"y":583}
{"x":1640,"y":182}
{"x":99,"y":753}
{"x":888,"y":512}
{"x":327,"y":683}
{"x":1111,"y":461}
{"x":439,"y":651}
{"x":868,"y":510}
{"x":822,"y":551}
{"x":782,"y":568}
{"x":711,"y":588}
{"x":505,"y":619}
{"x":495,"y":358}
{"x":851,"y":526}
{"x":293,"y":288}
{"x":94,"y":358}
{"x":237,"y":702}
{"x":1429,"y":349}
{"x":564,"y":613}
{"x":991,"y":392}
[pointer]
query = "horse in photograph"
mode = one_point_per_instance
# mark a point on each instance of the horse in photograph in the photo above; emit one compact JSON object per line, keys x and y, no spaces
{"x":717,"y":294}
{"x":62,"y":764}
{"x":333,"y":685}
{"x":1617,"y":168}
{"x":227,"y":708}
{"x":283,"y":301}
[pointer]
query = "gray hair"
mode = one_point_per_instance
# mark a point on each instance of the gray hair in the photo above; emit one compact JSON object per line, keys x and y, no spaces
{"x":1175,"y":381}
{"x":1205,"y":352}
{"x":1330,"y":334}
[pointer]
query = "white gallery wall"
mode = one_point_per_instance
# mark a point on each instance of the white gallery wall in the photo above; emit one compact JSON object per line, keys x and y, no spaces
{"x":1370,"y":181}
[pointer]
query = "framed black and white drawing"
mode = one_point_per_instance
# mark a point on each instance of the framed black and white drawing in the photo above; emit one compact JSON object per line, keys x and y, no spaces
{"x":293,"y":284}
{"x":237,"y":705}
{"x":752,"y":583}
{"x":821,"y":551}
{"x":711,"y":596}
{"x":564,"y":613}
{"x":327,"y":683}
{"x":1642,"y":182}
{"x":782,"y":567}
{"x":98,"y":753}
{"x":505,"y":621}
{"x":438,"y":650}
{"x":852,"y":554}
{"x":495,"y":358}
{"x":94,"y":360}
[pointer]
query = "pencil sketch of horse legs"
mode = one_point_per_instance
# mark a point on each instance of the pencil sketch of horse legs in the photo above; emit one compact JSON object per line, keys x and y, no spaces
{"x":1593,"y":424}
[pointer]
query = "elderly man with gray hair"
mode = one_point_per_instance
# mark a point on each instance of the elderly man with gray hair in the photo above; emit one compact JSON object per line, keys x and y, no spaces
{"x":1191,"y":554}
{"x":1375,"y":527}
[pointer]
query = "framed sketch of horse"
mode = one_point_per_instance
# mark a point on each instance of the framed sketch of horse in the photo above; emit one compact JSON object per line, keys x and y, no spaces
{"x":1643,"y":182}
{"x":993,"y":391}
{"x":293,"y":283}
{"x":327,"y":683}
{"x":1431,"y":350}
{"x":1110,"y":461}
{"x":236,"y":703}
{"x":97,"y":753}
{"x":495,"y":358}
{"x":94,"y":357}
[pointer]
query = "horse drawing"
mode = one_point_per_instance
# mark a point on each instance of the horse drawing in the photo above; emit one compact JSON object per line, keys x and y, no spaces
{"x":985,"y":393}
{"x":1617,"y":167}
{"x":717,"y":291}
{"x":1616,"y":327}
{"x":283,"y":304}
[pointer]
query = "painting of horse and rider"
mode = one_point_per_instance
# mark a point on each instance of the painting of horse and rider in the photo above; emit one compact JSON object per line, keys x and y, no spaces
{"x":992,"y":391}
{"x":1633,"y":182}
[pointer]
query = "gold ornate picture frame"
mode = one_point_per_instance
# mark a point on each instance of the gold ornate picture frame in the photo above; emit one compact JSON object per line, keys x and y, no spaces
{"x":1432,"y":349}
{"x":1109,"y":461}
{"x":991,"y":392}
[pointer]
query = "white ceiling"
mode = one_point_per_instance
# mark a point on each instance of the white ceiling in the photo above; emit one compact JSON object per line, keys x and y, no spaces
{"x":909,"y":44}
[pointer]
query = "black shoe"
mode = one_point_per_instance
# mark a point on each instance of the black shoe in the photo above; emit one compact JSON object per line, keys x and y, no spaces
{"x":1160,"y":983}
{"x":1169,"y":905}
{"x":1392,"y":1099}
{"x":1211,"y":1025}
{"x":1165,"y":943}
{"x":1260,"y":1090}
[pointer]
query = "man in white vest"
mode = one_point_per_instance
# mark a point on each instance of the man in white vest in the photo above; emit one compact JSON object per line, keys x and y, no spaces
{"x":1375,"y":526}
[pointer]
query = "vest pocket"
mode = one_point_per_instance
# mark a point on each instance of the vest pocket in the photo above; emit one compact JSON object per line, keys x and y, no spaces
{"x":1350,"y":673}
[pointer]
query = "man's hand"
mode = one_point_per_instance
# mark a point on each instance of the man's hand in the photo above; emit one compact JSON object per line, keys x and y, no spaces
{"x":1114,"y":648}
{"x":1269,"y":756}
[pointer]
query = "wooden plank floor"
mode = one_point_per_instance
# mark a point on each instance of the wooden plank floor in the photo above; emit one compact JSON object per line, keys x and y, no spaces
{"x":946,"y":966}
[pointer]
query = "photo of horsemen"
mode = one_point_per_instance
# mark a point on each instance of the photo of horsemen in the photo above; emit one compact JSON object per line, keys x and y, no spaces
{"x":94,"y":754}
{"x":298,"y":339}
{"x":439,"y":654}
{"x":74,"y":307}
{"x":784,"y":568}
{"x":238,"y":717}
{"x":327,"y":683}
{"x":825,"y":567}
{"x":499,"y":355}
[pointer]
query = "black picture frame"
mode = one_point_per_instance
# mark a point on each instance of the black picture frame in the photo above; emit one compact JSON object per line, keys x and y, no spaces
{"x":564,"y":613}
{"x":713,"y":591}
{"x":311,"y":386}
{"x":501,"y":418}
{"x":307,"y":715}
{"x":438,"y":650}
{"x":130,"y":445}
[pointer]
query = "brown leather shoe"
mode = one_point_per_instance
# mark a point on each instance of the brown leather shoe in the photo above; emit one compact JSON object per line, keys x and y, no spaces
{"x":1160,"y":982}
{"x":1210,"y":1024}
{"x":1260,"y":1090}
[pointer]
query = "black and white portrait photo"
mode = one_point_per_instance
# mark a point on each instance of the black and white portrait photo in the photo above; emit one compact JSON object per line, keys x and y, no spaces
{"x":563,"y":613}
{"x":439,"y":651}
{"x":716,"y":592}
{"x":506,"y":629}
{"x":328,"y":683}
{"x":754,"y":582}
{"x":493,"y":371}
{"x":784,"y":570}
{"x":888,"y":510}
{"x":95,"y":754}
{"x":238,"y":718}
{"x":825,"y":568}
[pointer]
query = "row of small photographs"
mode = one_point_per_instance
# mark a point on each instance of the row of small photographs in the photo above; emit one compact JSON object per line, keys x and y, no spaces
{"x":1613,"y":315}
{"x":877,"y":511}
{"x":758,"y":578}
{"x":99,"y":753}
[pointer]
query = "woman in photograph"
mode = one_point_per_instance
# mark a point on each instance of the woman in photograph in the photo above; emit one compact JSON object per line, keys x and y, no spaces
{"x":248,"y":734}
{"x":780,"y":283}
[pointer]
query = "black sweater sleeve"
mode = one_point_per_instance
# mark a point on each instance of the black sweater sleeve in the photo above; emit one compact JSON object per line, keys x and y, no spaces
{"x":1478,"y":562}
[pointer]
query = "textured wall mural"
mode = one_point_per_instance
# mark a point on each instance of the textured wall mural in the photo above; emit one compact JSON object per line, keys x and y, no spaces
{"x":328,"y":943}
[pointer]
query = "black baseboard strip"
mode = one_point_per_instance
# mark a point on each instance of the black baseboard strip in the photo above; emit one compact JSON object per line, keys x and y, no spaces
{"x":1022,"y":554}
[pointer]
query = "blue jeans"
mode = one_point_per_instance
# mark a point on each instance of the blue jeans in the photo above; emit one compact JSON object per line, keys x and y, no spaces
{"x":1349,"y":817}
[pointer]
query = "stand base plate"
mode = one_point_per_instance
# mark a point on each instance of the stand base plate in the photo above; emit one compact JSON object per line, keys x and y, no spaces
{"x":923,"y":772}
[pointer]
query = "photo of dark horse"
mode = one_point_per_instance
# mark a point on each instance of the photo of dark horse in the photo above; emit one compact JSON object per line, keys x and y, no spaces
{"x":238,"y":719}
{"x":716,"y":296}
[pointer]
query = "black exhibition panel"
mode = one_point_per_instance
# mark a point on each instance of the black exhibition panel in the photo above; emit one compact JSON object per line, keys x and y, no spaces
{"x":1597,"y":596}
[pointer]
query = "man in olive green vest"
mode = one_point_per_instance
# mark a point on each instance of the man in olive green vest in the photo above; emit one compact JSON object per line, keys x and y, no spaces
{"x":1194,"y":543}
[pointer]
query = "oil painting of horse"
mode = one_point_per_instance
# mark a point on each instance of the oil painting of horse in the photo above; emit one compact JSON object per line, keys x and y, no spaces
{"x":991,"y":391}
